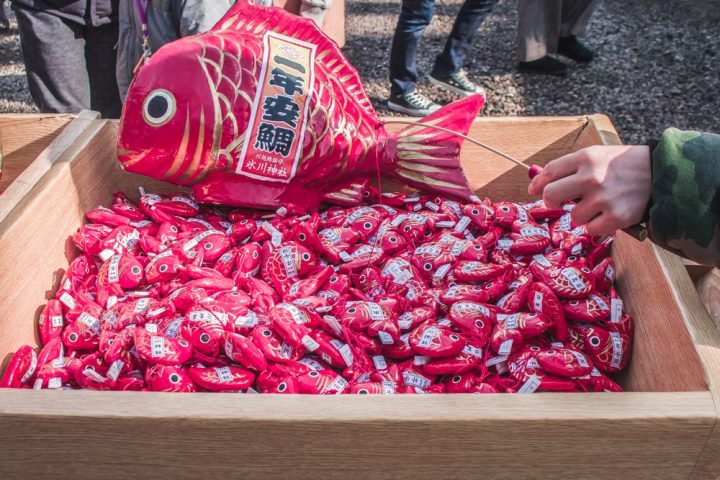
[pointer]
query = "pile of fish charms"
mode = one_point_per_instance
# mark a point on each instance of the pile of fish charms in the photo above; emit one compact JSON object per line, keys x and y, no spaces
{"x":402,"y":294}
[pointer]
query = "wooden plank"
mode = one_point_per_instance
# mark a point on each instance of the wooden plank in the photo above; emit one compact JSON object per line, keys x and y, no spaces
{"x":23,"y":137}
{"x":664,"y":357}
{"x":588,"y":436}
{"x":36,"y":158}
{"x":706,"y":338}
{"x":39,"y":217}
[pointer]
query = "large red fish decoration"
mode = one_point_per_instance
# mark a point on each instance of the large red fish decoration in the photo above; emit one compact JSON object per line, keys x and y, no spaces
{"x":264,"y":110}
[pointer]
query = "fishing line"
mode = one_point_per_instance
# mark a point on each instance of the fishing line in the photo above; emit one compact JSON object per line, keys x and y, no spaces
{"x":458,"y":134}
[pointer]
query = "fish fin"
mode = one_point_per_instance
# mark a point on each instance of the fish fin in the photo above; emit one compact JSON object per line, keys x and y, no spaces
{"x":429,"y":159}
{"x":253,"y":19}
{"x":348,"y":194}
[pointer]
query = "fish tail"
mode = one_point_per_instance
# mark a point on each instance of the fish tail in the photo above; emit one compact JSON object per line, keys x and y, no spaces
{"x":428,"y":158}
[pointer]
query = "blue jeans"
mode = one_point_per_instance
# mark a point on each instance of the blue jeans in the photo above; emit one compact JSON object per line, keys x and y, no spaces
{"x":414,"y":17}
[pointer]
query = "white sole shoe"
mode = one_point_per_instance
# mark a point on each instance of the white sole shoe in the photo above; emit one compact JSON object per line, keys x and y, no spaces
{"x":411,"y":111}
{"x":453,"y":89}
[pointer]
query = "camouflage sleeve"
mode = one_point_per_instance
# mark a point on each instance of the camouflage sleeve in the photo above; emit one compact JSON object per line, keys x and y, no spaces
{"x":685,"y":211}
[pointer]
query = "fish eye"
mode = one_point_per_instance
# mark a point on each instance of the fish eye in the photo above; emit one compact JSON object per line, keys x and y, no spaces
{"x":302,"y":237}
{"x":173,"y":228}
{"x":159,"y":107}
{"x":594,"y":341}
{"x":535,"y":349}
{"x":208,"y":246}
{"x":135,"y":270}
{"x":362,"y":278}
{"x":255,"y":254}
{"x":183,"y":343}
{"x":479,"y":324}
{"x":363,"y":391}
{"x":306,"y":256}
{"x":393,"y":239}
{"x":454,"y":338}
{"x":73,"y":337}
{"x":367,"y":225}
{"x":551,"y":352}
{"x":163,"y":268}
{"x":174,"y":378}
{"x":313,"y":373}
{"x":427,"y":266}
{"x":333,"y":279}
{"x":407,"y":228}
{"x":266,"y":333}
{"x":477,"y":247}
{"x":352,"y":310}
{"x":204,"y":338}
{"x":475,"y":211}
{"x":282,"y":387}
{"x":456,"y":379}
{"x":585,"y":270}
{"x":574,"y":302}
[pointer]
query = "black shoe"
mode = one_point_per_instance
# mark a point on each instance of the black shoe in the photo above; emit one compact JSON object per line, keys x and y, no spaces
{"x":457,"y":83}
{"x":413,"y":103}
{"x":571,"y":48}
{"x":546,"y":66}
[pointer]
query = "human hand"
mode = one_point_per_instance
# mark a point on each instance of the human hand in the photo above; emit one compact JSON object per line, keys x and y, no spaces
{"x":613,"y":184}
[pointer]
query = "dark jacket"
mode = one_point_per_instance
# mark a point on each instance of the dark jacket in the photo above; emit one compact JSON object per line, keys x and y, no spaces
{"x":685,"y":211}
{"x":92,"y":13}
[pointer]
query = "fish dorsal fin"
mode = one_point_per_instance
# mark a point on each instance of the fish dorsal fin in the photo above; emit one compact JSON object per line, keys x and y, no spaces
{"x":253,"y":19}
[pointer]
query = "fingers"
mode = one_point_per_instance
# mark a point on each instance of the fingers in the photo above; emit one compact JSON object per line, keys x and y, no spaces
{"x":555,"y":170}
{"x":603,"y":224}
{"x":559,"y":191}
{"x":585,"y":211}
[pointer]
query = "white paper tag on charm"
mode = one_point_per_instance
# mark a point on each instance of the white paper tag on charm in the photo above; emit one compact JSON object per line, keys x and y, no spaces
{"x":530,"y":385}
{"x":310,"y":344}
{"x":428,"y":336}
{"x":224,"y":374}
{"x":617,"y":352}
{"x":616,"y":310}
{"x":462,"y":224}
{"x":538,"y":302}
{"x":115,"y":369}
{"x":580,"y":358}
{"x":385,"y":338}
{"x":114,"y":269}
{"x":380,"y":363}
{"x":574,"y":279}
{"x":157,"y":346}
{"x":505,"y":347}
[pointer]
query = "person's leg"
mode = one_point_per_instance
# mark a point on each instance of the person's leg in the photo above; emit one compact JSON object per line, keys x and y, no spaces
{"x":54,"y":55}
{"x":100,"y":56}
{"x":575,"y":17}
{"x":414,"y":17}
{"x":538,"y":24}
{"x":468,"y":21}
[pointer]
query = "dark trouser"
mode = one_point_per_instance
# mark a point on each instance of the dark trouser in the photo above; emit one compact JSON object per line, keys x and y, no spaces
{"x":414,"y":17}
{"x":542,"y":22}
{"x":69,"y":67}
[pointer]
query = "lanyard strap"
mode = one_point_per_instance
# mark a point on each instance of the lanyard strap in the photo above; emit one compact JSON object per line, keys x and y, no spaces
{"x":142,"y":10}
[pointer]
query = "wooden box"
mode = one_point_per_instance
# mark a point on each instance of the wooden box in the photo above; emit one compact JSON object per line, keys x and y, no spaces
{"x":664,"y":426}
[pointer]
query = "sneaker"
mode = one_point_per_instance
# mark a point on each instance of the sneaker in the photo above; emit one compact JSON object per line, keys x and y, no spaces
{"x":457,"y":83}
{"x":571,"y":48}
{"x":546,"y":65}
{"x":413,"y":103}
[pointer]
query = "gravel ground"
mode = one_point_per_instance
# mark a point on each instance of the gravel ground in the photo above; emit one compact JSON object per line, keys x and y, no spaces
{"x":658,"y":64}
